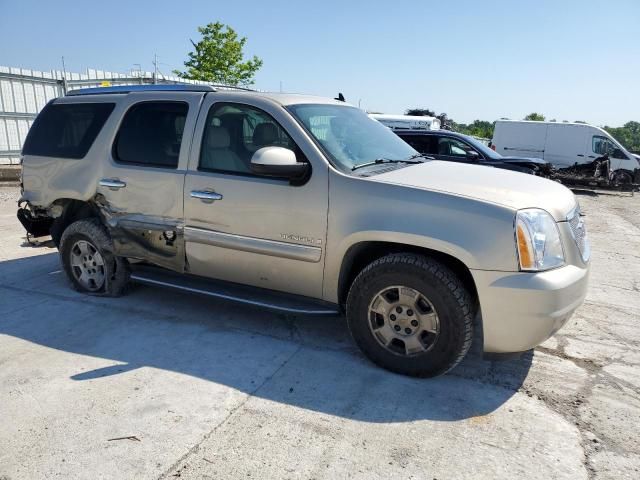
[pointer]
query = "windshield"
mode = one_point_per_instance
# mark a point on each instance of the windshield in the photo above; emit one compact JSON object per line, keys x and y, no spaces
{"x":349,"y":137}
{"x":482,"y":148}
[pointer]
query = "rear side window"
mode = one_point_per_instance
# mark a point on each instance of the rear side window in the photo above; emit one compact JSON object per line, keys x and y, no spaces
{"x":66,"y":130}
{"x":151,"y":134}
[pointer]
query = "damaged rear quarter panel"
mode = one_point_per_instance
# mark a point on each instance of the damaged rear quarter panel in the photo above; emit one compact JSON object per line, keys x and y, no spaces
{"x":145,"y":218}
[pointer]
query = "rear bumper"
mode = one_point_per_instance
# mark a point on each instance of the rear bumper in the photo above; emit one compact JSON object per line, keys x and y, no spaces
{"x":521,"y":310}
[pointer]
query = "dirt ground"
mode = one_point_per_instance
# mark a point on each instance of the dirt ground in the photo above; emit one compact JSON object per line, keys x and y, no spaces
{"x":161,"y":384}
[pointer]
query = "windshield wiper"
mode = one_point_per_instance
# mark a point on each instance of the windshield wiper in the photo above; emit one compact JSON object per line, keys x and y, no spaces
{"x":379,"y":161}
{"x":420,"y":155}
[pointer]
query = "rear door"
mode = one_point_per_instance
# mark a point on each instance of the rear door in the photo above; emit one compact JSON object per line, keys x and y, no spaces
{"x":247,"y":228}
{"x":141,"y":182}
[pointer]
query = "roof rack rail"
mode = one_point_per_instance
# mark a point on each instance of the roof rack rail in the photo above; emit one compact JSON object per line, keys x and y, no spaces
{"x":123,"y":89}
{"x":217,"y":86}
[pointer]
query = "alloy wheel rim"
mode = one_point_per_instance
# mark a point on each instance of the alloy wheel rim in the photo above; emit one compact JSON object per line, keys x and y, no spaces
{"x":87,"y":265}
{"x":403,"y":321}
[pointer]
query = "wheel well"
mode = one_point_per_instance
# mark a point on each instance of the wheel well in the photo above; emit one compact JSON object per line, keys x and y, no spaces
{"x":624,"y":171}
{"x":72,"y":211}
{"x":362,"y":254}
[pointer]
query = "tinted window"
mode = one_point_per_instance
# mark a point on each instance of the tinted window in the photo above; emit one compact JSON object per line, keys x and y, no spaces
{"x":66,"y":130}
{"x":426,"y":144}
{"x":151,"y":134}
{"x":234,"y":132}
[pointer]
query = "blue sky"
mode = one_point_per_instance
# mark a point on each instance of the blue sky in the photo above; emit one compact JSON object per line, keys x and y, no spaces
{"x":570,"y":60}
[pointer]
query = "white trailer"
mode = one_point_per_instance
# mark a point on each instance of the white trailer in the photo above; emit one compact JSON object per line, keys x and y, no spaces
{"x":563,"y":144}
{"x":407,"y":122}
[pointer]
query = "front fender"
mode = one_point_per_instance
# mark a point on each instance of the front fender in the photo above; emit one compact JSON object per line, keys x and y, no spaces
{"x":477,"y":233}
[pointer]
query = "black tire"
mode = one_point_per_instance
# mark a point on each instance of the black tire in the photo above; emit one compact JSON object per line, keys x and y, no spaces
{"x":115,"y":269}
{"x":444,"y":290}
{"x":622,"y":178}
{"x":56,"y":230}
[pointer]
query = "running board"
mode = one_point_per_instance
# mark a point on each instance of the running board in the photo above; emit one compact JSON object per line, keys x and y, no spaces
{"x":258,"y":297}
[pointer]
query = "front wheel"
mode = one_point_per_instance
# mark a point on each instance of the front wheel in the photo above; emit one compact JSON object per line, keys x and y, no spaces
{"x":411,"y":315}
{"x":622,"y":178}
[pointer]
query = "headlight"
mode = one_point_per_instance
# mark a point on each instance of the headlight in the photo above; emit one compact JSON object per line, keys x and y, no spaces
{"x":538,"y":240}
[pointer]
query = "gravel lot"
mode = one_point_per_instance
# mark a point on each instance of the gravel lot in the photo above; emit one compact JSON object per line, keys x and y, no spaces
{"x":161,"y":384}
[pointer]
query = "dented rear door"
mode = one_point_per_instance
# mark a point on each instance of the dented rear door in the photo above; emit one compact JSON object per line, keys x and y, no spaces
{"x":140,"y":188}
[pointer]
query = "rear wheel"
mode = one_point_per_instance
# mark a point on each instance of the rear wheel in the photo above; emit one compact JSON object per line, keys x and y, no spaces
{"x":86,"y":252}
{"x":411,"y":315}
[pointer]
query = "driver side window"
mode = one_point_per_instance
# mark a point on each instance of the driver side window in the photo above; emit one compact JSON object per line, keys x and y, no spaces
{"x":601,"y":145}
{"x":452,"y":147}
{"x":234,"y":132}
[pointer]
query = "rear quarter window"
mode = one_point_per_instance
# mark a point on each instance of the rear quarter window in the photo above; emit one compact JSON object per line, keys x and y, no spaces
{"x":66,"y":130}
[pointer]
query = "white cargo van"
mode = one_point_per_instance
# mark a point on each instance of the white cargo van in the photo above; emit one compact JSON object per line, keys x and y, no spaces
{"x":407,"y":122}
{"x":562,"y":144}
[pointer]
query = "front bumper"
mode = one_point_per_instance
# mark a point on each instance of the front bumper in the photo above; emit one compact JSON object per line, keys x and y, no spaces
{"x":521,"y":310}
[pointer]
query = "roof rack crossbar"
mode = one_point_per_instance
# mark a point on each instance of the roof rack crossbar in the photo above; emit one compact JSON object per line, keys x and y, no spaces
{"x":123,"y":89}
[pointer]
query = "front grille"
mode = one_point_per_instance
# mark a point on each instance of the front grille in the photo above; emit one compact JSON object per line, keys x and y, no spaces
{"x":579,"y":233}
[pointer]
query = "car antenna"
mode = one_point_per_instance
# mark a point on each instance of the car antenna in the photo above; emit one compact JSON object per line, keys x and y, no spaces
{"x":340,"y":97}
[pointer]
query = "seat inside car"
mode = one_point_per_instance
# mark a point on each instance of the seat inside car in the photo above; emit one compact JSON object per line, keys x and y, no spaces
{"x":218,"y":154}
{"x":265,"y":135}
{"x":444,"y":147}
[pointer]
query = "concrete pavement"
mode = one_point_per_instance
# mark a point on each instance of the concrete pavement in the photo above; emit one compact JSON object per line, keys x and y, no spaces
{"x":161,"y":384}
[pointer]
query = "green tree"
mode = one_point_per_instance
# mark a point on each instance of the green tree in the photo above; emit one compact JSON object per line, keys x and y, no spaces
{"x":628,"y":135}
{"x":420,"y":112}
{"x":218,"y":57}
{"x":478,"y":128}
{"x":536,"y":117}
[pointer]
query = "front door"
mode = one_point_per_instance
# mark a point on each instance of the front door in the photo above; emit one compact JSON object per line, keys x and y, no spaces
{"x":454,"y":150}
{"x":246,"y":228}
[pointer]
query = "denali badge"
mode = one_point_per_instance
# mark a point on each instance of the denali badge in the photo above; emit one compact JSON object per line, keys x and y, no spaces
{"x":300,"y":238}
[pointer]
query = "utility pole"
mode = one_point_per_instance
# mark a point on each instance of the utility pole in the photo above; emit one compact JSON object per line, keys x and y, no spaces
{"x":64,"y":77}
{"x":280,"y":86}
{"x":155,"y":68}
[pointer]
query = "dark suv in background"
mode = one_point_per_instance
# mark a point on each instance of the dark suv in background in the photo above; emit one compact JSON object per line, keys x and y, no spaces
{"x":456,"y":147}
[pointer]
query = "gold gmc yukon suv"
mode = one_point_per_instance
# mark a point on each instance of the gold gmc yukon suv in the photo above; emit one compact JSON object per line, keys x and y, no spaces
{"x":303,"y":205}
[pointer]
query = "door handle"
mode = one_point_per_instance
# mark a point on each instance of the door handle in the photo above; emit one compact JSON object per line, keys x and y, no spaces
{"x":206,"y":196}
{"x":112,"y":183}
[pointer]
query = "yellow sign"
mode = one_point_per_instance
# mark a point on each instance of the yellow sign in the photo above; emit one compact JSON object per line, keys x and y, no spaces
{"x":105,"y":83}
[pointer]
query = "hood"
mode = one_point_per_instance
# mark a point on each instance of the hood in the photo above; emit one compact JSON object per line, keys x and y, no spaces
{"x":503,"y":187}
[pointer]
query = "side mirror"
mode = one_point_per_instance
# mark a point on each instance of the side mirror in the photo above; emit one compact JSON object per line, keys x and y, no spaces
{"x":473,"y":156}
{"x":277,"y":162}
